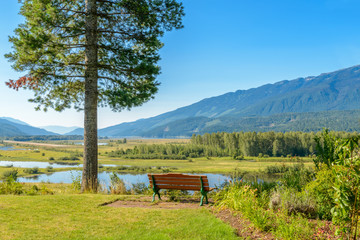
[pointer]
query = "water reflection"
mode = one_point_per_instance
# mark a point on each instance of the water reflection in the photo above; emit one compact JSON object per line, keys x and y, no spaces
{"x":11,"y":148}
{"x":22,"y":164}
{"x":104,"y":178}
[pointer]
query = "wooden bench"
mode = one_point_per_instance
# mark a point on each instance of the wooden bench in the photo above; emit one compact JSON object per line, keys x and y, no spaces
{"x":180,"y":182}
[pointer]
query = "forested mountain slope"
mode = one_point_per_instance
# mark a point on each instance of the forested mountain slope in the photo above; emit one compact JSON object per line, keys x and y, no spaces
{"x":244,"y":109}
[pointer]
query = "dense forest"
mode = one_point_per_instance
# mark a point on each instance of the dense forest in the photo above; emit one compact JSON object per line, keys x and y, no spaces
{"x":236,"y":145}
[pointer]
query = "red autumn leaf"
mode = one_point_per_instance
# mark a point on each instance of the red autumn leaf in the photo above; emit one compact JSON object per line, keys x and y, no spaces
{"x":22,"y":82}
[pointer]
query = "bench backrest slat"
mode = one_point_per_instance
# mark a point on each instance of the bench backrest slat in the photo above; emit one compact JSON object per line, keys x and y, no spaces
{"x":179,"y":181}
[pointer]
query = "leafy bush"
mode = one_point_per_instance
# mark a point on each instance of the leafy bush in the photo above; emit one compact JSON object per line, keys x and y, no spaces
{"x":322,"y":188}
{"x":11,"y":173}
{"x":276,"y":169}
{"x":10,"y":186}
{"x":117,"y":185}
{"x":49,"y":169}
{"x":76,"y":182}
{"x":34,"y":170}
{"x":297,"y":176}
{"x":254,"y":206}
{"x":244,"y":199}
{"x":139,"y":188}
{"x":325,"y":149}
{"x":293,"y":202}
{"x":346,"y":211}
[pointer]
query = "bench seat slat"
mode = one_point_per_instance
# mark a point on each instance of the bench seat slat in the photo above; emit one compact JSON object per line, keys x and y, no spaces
{"x":175,"y":175}
{"x":180,"y":180}
{"x":181,"y":187}
{"x":205,"y":180}
{"x":180,"y":184}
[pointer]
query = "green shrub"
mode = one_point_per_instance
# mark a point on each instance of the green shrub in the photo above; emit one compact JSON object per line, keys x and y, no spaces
{"x":325,"y":149}
{"x":244,"y":199}
{"x":293,"y":202}
{"x":322,"y":188}
{"x":254,"y":206}
{"x":139,"y":188}
{"x":11,"y":173}
{"x":276,"y":169}
{"x":117,"y":185}
{"x":34,"y":170}
{"x":10,"y":186}
{"x":292,"y":228}
{"x":51,"y":158}
{"x":76,"y":182}
{"x":49,"y":169}
{"x":297,"y":176}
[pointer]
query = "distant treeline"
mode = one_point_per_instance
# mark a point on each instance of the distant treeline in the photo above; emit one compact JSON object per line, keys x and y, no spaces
{"x":45,"y":138}
{"x":236,"y":145}
{"x":168,"y":151}
{"x":263,"y":143}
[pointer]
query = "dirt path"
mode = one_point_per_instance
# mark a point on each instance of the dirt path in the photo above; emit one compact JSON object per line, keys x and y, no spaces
{"x":36,"y":144}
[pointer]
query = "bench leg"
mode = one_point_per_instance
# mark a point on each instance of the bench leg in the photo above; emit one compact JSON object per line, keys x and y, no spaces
{"x":156,"y":193}
{"x":202,"y":199}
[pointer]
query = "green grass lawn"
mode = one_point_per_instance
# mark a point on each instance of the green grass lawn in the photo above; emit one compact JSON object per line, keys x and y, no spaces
{"x":79,"y":216}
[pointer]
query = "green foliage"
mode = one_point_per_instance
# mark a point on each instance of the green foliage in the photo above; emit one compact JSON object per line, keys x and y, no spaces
{"x":325,"y":149}
{"x":282,"y":168}
{"x":254,"y":206}
{"x":34,"y":170}
{"x":140,"y":188}
{"x":11,"y":186}
{"x":297,"y":176}
{"x":293,"y":202}
{"x":117,"y":185}
{"x":49,"y":169}
{"x":11,"y":173}
{"x":261,"y":144}
{"x":76,"y":182}
{"x":296,"y":227}
{"x":347,"y":186}
{"x":50,"y":47}
{"x":322,"y":188}
{"x":243,"y":198}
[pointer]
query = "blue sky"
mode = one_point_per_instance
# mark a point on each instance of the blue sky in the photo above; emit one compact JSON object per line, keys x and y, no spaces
{"x":225,"y":46}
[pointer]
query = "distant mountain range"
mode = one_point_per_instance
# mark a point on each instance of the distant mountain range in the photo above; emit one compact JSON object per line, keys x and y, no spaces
{"x":329,"y":100}
{"x":59,"y":129}
{"x":313,"y":103}
{"x":10,"y":127}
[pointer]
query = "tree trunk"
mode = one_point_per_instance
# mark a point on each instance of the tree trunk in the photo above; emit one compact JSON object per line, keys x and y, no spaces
{"x":90,"y":169}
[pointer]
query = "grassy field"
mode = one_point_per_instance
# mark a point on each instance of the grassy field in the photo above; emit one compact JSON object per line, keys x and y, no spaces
{"x":79,"y":216}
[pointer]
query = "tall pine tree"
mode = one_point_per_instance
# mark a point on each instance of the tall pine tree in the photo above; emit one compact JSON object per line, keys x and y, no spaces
{"x":90,"y":53}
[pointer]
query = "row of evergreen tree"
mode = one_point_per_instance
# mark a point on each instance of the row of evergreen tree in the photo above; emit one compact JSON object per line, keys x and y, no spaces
{"x":263,"y":143}
{"x":235,"y":145}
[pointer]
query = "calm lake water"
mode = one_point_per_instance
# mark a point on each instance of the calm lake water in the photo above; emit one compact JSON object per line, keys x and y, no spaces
{"x":104,"y":178}
{"x":43,"y":164}
{"x":11,"y":148}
